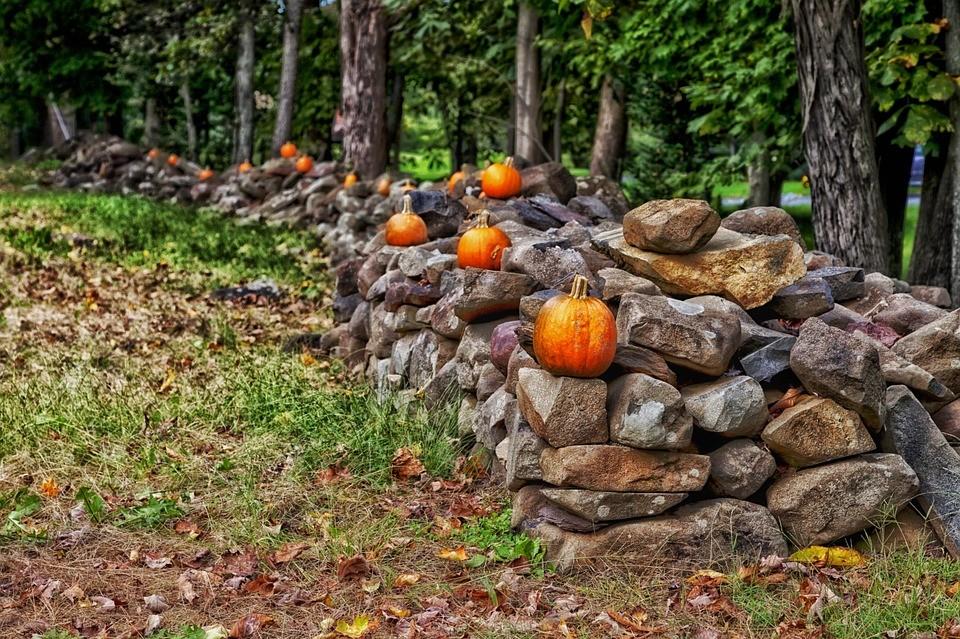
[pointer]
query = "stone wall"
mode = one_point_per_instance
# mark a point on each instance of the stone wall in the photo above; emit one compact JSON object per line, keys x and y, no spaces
{"x":762,"y":397}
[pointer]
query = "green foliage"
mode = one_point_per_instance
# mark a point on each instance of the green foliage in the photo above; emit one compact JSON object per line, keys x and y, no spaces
{"x":20,"y":505}
{"x":493,"y":535}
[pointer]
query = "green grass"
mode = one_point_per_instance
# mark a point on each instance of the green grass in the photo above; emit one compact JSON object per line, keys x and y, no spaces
{"x":136,"y":232}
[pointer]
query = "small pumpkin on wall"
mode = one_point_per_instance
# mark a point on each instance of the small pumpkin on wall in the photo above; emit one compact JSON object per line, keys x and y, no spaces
{"x":244,"y":167}
{"x":350,"y":180}
{"x":153,"y":153}
{"x":288,"y":150}
{"x":501,"y":181}
{"x":406,"y":228}
{"x":173,"y":159}
{"x":383,"y":186}
{"x":456,"y":177}
{"x":304,"y":164}
{"x":482,"y":246}
{"x":575,"y":335}
{"x":205,"y":174}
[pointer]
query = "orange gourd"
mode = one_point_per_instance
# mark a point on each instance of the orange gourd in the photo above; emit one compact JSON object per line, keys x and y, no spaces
{"x":205,"y":174}
{"x":173,"y":159}
{"x":244,"y":167}
{"x":304,"y":164}
{"x":501,"y":180}
{"x":482,"y":246}
{"x":575,"y":335}
{"x":456,"y":177}
{"x":406,"y":228}
{"x":383,"y":186}
{"x":153,"y":154}
{"x":350,"y":180}
{"x":288,"y":150}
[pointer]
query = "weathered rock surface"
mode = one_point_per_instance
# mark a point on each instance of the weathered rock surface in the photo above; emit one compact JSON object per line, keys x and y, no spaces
{"x":488,"y":293}
{"x":564,"y":411}
{"x":730,"y":406}
{"x":936,"y":349}
{"x":764,"y":220}
{"x":637,"y":359}
{"x":622,"y":469}
{"x":523,"y":453}
{"x":709,"y":533}
{"x":616,"y":282}
{"x":647,"y":413}
{"x":531,"y":509}
{"x":845,"y":282}
{"x":823,"y":504}
{"x":947,"y":420}
{"x":912,"y":434}
{"x":599,"y":506}
{"x":670,"y":226}
{"x":740,"y":468}
{"x":936,"y":295}
{"x":685,"y":334}
{"x":745,"y":269}
{"x":808,"y":297}
{"x":905,"y":314}
{"x":548,"y":178}
{"x":817,"y":430}
{"x":832,"y":363}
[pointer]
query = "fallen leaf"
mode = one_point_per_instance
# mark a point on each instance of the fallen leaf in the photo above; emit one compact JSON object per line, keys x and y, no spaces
{"x":156,"y":604}
{"x":307,"y":359}
{"x":289,"y":552}
{"x":791,"y":398}
{"x":50,"y":488}
{"x":406,"y":580}
{"x":262,"y":585}
{"x":949,"y":630}
{"x":156,"y":562}
{"x":360,"y":626}
{"x":331,"y":474}
{"x":153,"y":623}
{"x":406,"y":465}
{"x":187,"y":527}
{"x":395,"y":613}
{"x":168,"y":381}
{"x":105,"y":604}
{"x":73,"y":593}
{"x":833,"y":556}
{"x":707,"y":578}
{"x":249,"y":625}
{"x":214,"y":632}
{"x":353,"y":567}
{"x":453,"y":554}
{"x":241,"y":563}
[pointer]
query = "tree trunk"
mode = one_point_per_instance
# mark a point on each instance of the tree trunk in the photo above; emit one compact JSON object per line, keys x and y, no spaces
{"x":556,"y":149}
{"x":511,"y":146}
{"x":13,"y":140}
{"x":243,"y":150}
{"x":288,"y":74}
{"x":395,"y":118}
{"x":151,"y":122}
{"x":894,"y":163}
{"x":848,"y":214}
{"x":930,"y":261}
{"x":188,"y":118}
{"x":611,"y":131}
{"x":363,"y":94}
{"x":760,"y":191}
{"x":529,"y":137}
{"x":951,"y":11}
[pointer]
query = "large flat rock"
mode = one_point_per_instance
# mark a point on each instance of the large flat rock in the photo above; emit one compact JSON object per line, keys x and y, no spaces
{"x":911,"y":433}
{"x":623,"y":469}
{"x":717,"y":532}
{"x":745,"y":269}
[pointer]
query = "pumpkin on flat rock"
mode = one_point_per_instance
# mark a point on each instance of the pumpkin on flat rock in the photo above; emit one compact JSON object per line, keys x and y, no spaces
{"x":575,"y":335}
{"x":205,"y":174}
{"x":173,"y":159}
{"x":406,"y":228}
{"x":288,"y":150}
{"x":501,"y":181}
{"x":304,"y":164}
{"x":244,"y":167}
{"x":482,"y":246}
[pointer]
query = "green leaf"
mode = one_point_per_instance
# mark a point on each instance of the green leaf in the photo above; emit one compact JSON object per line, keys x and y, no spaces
{"x":941,"y":87}
{"x":93,"y":504}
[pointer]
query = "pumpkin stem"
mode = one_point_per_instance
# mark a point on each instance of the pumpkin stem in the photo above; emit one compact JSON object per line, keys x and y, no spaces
{"x":407,"y":205}
{"x":580,"y":287}
{"x":508,"y":161}
{"x":483,"y":219}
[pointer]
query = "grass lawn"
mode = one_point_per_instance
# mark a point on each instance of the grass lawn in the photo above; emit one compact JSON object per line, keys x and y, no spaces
{"x":165,"y":461}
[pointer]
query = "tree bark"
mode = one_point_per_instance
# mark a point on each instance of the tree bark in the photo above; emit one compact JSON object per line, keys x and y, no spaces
{"x":760,"y":191}
{"x":556,"y":148}
{"x":931,"y":258}
{"x":363,"y":94}
{"x":188,"y":119}
{"x":243,"y":150}
{"x":611,"y":131}
{"x":848,"y":214}
{"x":288,"y":73}
{"x":951,"y":11}
{"x":529,"y":137}
{"x":511,"y":146}
{"x":894,"y":163}
{"x":151,"y":122}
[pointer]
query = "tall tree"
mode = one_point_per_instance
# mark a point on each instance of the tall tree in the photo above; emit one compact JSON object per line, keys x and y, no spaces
{"x":848,"y":213}
{"x":293,"y":15}
{"x":187,"y":99}
{"x":243,"y":148}
{"x":529,"y":136}
{"x":363,"y":94}
{"x":611,"y":133}
{"x":951,"y":11}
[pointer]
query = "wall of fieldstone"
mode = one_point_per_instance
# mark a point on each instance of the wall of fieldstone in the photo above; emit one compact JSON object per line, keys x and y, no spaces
{"x":762,"y":397}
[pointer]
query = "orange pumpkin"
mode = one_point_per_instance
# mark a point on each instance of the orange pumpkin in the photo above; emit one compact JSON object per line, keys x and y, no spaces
{"x":383,"y":186}
{"x":205,"y":174}
{"x":244,"y":167}
{"x":304,"y":163}
{"x":153,"y":153}
{"x":501,"y":180}
{"x":456,"y":177}
{"x":350,"y":180}
{"x":173,"y":159}
{"x":575,"y":335}
{"x":482,"y":246}
{"x":406,"y":228}
{"x":288,"y":150}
